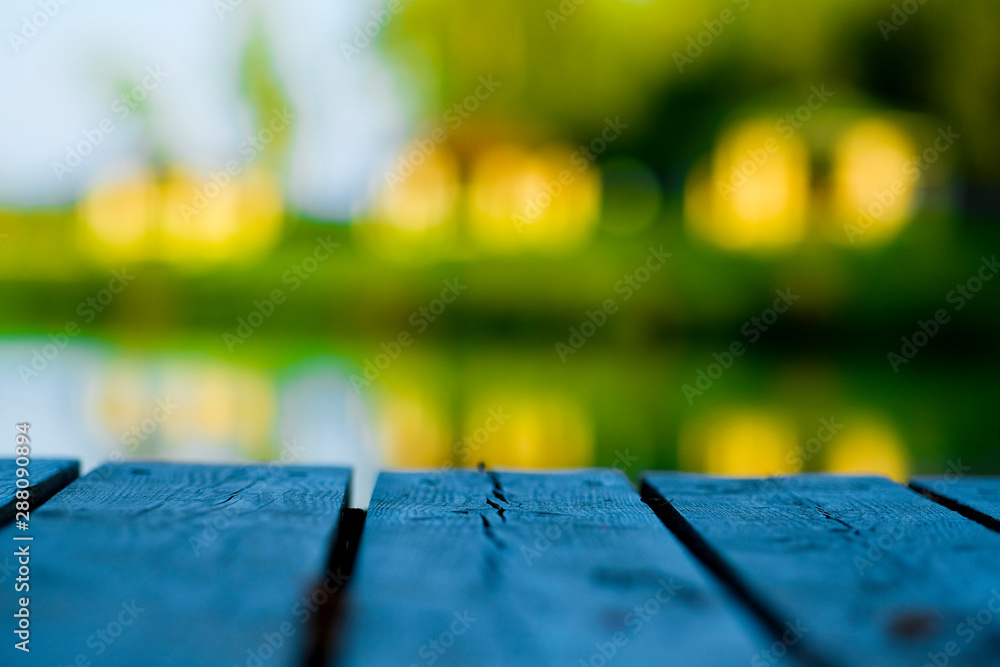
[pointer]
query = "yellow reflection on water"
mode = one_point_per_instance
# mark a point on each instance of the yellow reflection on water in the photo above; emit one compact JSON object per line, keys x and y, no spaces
{"x":412,"y":430}
{"x":754,"y":193}
{"x":123,"y":401}
{"x":220,"y":406}
{"x":197,"y":411}
{"x":740,"y":442}
{"x":526,"y":430}
{"x":868,"y":446}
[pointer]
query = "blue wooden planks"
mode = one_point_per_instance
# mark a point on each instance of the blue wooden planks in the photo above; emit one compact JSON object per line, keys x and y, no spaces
{"x":46,"y":477}
{"x":164,"y":564}
{"x":977,"y":498}
{"x":484,"y":568}
{"x":250,"y":566}
{"x":875,"y":573}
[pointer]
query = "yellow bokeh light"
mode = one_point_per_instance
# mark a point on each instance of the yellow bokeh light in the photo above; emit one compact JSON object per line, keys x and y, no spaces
{"x":206,"y":218}
{"x":186,"y":407}
{"x":194,"y":224}
{"x":219,"y":405}
{"x":740,"y":442}
{"x":182,"y":217}
{"x":255,"y":413}
{"x":543,"y":199}
{"x":868,"y":446}
{"x":117,"y":218}
{"x":754,"y":193}
{"x":875,"y":181}
{"x":122,"y":398}
{"x":413,"y":216}
{"x":424,"y":199}
{"x":413,"y":431}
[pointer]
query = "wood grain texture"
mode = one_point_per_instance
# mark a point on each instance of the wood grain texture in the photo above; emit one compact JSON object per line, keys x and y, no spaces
{"x":46,"y":477}
{"x":878,"y":574}
{"x":484,"y":568}
{"x":977,"y":498}
{"x":166,"y":564}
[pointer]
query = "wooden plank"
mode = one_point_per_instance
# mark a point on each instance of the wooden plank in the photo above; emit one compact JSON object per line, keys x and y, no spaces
{"x":45,"y":476}
{"x":876,"y":573}
{"x":977,"y":498}
{"x":486,"y":568}
{"x":166,"y":564}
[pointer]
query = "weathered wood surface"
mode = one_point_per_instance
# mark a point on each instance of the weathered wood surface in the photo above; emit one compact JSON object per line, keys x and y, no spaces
{"x":977,"y":498}
{"x":485,"y":568}
{"x":45,"y":476}
{"x":161,"y":564}
{"x":875,"y":573}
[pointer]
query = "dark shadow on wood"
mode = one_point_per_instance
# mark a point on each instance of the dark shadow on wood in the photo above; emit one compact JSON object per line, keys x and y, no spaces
{"x":476,"y":567}
{"x":956,"y":506}
{"x":328,"y":622}
{"x":686,"y":533}
{"x":46,"y":478}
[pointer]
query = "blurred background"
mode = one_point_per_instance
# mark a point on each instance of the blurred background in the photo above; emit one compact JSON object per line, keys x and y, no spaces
{"x":735,"y":236}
